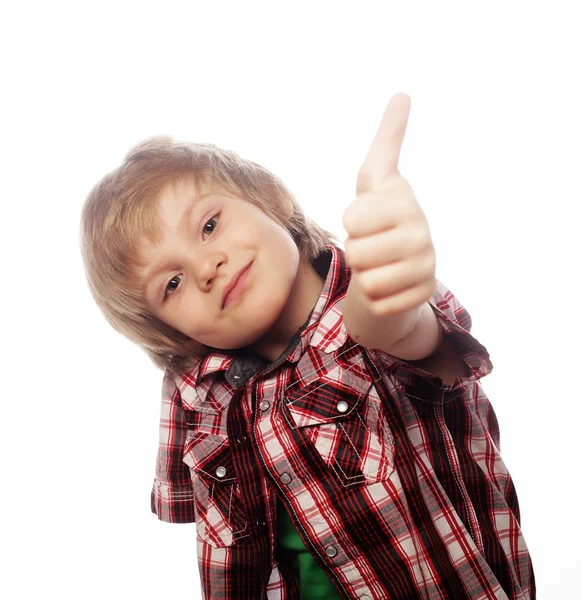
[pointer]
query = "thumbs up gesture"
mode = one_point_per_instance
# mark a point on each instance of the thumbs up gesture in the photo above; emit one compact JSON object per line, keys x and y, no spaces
{"x":389,"y":246}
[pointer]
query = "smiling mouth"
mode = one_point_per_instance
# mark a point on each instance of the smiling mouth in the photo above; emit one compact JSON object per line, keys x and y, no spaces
{"x":236,"y":286}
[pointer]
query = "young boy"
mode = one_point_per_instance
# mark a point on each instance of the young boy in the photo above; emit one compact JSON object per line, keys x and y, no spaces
{"x":322,"y":418}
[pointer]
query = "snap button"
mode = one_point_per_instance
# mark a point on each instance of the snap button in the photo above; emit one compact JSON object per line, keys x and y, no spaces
{"x":265,"y":405}
{"x":331,"y":551}
{"x":342,"y":406}
{"x":286,"y":478}
{"x":242,"y":439}
{"x":220,"y":472}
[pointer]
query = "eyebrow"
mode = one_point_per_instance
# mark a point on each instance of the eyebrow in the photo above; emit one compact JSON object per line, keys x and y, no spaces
{"x":156,"y":269}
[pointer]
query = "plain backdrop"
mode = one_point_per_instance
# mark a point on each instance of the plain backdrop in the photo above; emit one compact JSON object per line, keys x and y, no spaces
{"x":492,"y":151}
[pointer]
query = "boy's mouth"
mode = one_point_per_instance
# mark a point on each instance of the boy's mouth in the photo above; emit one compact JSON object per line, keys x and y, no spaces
{"x":233,"y":284}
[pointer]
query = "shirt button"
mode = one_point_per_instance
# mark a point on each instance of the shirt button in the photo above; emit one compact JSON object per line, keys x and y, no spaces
{"x":342,"y":406}
{"x":220,"y":472}
{"x":242,"y":439}
{"x":286,"y":478}
{"x":265,"y":405}
{"x":331,"y":551}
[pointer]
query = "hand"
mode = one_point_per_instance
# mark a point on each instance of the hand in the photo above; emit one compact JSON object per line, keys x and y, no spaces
{"x":389,"y":246}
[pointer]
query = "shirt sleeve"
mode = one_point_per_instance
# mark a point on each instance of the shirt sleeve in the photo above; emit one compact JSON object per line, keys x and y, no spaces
{"x":456,"y":322}
{"x":172,"y":496}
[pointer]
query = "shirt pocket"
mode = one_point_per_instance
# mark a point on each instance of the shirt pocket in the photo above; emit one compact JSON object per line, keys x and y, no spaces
{"x":338,"y":410}
{"x":220,"y":515}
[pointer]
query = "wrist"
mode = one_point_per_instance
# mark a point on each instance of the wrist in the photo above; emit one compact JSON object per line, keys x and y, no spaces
{"x":372,"y":330}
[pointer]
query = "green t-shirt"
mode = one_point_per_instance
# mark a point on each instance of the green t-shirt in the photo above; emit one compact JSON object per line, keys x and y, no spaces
{"x":314,"y":584}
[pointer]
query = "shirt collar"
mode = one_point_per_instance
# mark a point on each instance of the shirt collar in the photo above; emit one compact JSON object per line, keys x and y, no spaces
{"x":324,"y":330}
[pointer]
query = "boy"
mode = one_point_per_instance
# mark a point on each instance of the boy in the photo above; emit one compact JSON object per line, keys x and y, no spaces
{"x":322,"y":419}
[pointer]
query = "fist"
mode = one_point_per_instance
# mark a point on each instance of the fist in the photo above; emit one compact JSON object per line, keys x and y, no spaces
{"x":389,"y":247}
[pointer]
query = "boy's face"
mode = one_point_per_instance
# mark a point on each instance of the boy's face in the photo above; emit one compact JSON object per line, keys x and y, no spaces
{"x":207,"y":238}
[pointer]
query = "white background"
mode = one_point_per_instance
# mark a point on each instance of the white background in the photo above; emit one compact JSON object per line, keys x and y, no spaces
{"x":492,"y":151}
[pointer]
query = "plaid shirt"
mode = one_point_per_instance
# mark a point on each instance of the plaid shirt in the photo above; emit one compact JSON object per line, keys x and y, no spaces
{"x":393,"y":479}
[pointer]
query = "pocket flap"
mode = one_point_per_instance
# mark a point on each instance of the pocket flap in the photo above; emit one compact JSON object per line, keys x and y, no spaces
{"x":210,"y":457}
{"x":324,"y":390}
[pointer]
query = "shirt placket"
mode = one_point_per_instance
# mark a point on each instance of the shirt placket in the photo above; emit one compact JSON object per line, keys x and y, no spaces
{"x":284,"y":477}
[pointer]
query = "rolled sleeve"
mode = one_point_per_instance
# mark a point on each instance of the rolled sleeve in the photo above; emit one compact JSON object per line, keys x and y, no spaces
{"x":172,"y":495}
{"x":456,"y":322}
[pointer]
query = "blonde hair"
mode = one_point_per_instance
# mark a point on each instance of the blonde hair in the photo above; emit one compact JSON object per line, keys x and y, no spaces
{"x":122,"y":209}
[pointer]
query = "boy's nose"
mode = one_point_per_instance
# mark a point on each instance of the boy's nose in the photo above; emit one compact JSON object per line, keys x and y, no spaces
{"x":208,"y":268}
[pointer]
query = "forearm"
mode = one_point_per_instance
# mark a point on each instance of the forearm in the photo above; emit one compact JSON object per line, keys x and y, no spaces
{"x":423,"y":341}
{"x":371,"y":330}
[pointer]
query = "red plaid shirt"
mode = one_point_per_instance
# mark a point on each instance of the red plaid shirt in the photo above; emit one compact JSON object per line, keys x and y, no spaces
{"x":393,"y":479}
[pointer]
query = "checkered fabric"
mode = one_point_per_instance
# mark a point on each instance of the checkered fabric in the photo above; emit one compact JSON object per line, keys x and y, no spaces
{"x":393,"y":479}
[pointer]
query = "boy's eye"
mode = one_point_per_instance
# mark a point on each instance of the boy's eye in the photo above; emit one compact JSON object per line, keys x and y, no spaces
{"x":210,"y":225}
{"x":171,"y":287}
